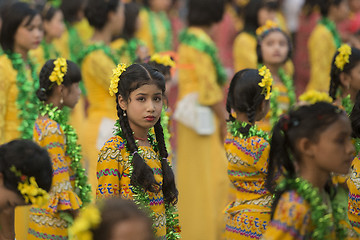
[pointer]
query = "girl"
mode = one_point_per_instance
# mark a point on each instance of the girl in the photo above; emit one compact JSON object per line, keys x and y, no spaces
{"x":20,"y":161}
{"x":98,"y":60}
{"x":324,"y":41}
{"x":200,"y":149}
{"x":307,"y":145}
{"x":247,"y":150}
{"x":21,"y":31}
{"x":54,"y":27}
{"x":59,"y":88}
{"x":155,"y":27}
{"x":133,"y":164}
{"x":273,"y":50}
{"x":116,"y":219}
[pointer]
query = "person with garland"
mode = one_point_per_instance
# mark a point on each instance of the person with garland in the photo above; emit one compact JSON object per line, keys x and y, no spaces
{"x":201,"y":125}
{"x":97,"y":62}
{"x":155,"y":27}
{"x":274,"y":49}
{"x":59,"y":88}
{"x":134,"y":163}
{"x":323,"y":42}
{"x":24,"y":166}
{"x":247,"y":150}
{"x":308,"y":144}
{"x":53,"y":24}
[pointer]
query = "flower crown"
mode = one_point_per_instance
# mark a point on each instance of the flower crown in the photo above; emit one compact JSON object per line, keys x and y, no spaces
{"x":89,"y":218}
{"x":120,"y":68}
{"x":269,"y":25}
{"x":163,"y":59}
{"x":313,"y":96}
{"x":29,"y":189}
{"x":59,"y":71}
{"x":343,"y":57}
{"x":266,"y":82}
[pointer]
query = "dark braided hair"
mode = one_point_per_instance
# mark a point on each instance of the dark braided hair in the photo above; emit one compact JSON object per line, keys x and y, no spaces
{"x":134,"y":77}
{"x":307,"y":121}
{"x":355,"y":117}
{"x":245,"y":95}
{"x":97,"y":12}
{"x":335,"y":83}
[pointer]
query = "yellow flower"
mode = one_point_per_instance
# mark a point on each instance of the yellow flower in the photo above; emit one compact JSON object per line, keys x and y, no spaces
{"x":113,"y":89}
{"x":88,"y":219}
{"x":313,"y":96}
{"x":162,"y":59}
{"x":343,"y":57}
{"x":266,"y":82}
{"x":59,"y":71}
{"x":268,"y":25}
{"x":32,"y":193}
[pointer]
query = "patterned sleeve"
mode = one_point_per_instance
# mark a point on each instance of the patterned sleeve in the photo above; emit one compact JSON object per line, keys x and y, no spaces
{"x":354,"y":195}
{"x":110,"y":168}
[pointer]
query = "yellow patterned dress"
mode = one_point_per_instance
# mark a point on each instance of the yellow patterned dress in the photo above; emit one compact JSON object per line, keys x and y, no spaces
{"x":114,"y":178}
{"x":46,"y":223}
{"x":353,"y":184}
{"x":248,"y":216}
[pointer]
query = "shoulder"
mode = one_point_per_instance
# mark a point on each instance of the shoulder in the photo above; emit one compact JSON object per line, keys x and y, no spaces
{"x":245,"y":37}
{"x":321,"y":33}
{"x":47,"y":125}
{"x":5,"y":62}
{"x":255,"y":143}
{"x":113,"y":148}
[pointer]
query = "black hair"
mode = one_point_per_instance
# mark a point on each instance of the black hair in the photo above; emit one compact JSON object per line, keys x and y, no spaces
{"x":245,"y":95}
{"x":326,"y":4}
{"x":264,"y":35}
{"x":46,"y":11}
{"x":11,"y":20}
{"x":165,"y":70}
{"x":97,"y":12}
{"x":205,"y":12}
{"x":132,"y":10}
{"x":115,"y":211}
{"x":251,"y":12}
{"x":307,"y":121}
{"x":29,"y":159}
{"x":73,"y":75}
{"x":134,"y":77}
{"x":354,"y":59}
{"x":355,"y":117}
{"x":71,"y":8}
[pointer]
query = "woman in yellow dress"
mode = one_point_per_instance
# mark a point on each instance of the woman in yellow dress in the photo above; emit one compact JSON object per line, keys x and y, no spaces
{"x":133,"y":164}
{"x":201,"y":160}
{"x":59,"y":88}
{"x":323,"y":42}
{"x":97,"y":62}
{"x":155,"y":27}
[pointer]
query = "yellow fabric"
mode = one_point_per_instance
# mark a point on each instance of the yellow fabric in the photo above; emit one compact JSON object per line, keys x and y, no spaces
{"x":46,"y":223}
{"x":117,"y":45}
{"x":249,"y":214}
{"x":84,"y":29}
{"x":321,"y":48}
{"x":96,"y":71}
{"x":201,"y":160}
{"x":114,"y":178}
{"x":354,"y":195}
{"x":62,"y":44}
{"x":38,"y":55}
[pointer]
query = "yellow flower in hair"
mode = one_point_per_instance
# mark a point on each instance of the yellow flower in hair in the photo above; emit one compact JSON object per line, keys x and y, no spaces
{"x":343,"y":57}
{"x":113,"y":89}
{"x":59,"y":71}
{"x":89,"y":218}
{"x":32,"y":193}
{"x":268,"y":25}
{"x":266,"y":82}
{"x":163,"y":59}
{"x":313,"y":96}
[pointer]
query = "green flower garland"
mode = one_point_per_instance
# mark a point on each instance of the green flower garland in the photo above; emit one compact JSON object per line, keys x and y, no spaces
{"x":234,"y":129}
{"x":26,"y":100}
{"x":141,"y":197}
{"x":208,"y":48}
{"x":49,"y":50}
{"x":160,"y":47}
{"x":357,"y":145}
{"x":97,"y":46}
{"x":289,"y":84}
{"x":330,"y":25}
{"x":75,"y":43}
{"x":347,"y":104}
{"x":165,"y":124}
{"x":274,"y":106}
{"x":73,"y":149}
{"x":130,"y":48}
{"x":320,"y":217}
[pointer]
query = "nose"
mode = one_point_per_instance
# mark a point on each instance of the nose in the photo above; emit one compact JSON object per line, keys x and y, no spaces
{"x":150,"y":106}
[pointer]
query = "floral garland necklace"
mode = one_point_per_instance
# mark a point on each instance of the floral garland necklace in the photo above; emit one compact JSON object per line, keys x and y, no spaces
{"x":158,"y":46}
{"x":130,"y":48}
{"x":141,"y":197}
{"x":330,"y":25}
{"x":235,"y":126}
{"x":26,"y":100}
{"x":49,"y":50}
{"x":75,"y":43}
{"x":208,"y":48}
{"x":320,"y":217}
{"x":73,"y":149}
{"x":98,"y":46}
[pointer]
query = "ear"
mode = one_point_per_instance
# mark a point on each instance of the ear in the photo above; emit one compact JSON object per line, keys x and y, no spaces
{"x":122,"y":103}
{"x":306,"y":147}
{"x":345,"y":80}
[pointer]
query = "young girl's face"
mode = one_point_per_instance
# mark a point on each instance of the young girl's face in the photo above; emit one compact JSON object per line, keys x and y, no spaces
{"x":274,"y":48}
{"x":132,"y":229}
{"x":159,"y":5}
{"x":55,"y":27}
{"x":265,"y":14}
{"x":117,"y":19}
{"x":71,"y":95}
{"x":334,"y":151}
{"x":342,"y":11}
{"x":29,"y":36}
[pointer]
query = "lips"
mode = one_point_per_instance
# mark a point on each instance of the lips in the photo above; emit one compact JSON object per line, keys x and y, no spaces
{"x":150,"y":118}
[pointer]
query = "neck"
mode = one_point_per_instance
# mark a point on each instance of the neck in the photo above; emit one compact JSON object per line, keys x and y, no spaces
{"x":139,"y":132}
{"x":55,"y":101}
{"x":103,"y":35}
{"x":331,"y":17}
{"x":315,"y":176}
{"x":346,"y":92}
{"x":23,"y":52}
{"x":274,"y":68}
{"x":242,"y":117}
{"x":48,"y":39}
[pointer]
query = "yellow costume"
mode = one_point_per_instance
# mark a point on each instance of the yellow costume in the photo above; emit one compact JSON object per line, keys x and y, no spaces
{"x":114,"y":178}
{"x":354,"y":195}
{"x":201,"y":160}
{"x":46,"y":223}
{"x":44,"y":52}
{"x":247,"y":216}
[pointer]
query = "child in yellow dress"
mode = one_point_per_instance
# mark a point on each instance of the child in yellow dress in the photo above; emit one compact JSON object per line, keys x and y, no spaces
{"x":133,"y":164}
{"x":59,"y":88}
{"x":247,"y":150}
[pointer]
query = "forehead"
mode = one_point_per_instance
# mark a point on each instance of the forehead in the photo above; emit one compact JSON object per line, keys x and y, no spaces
{"x":275,"y":35}
{"x":147,"y":89}
{"x":341,"y":125}
{"x":35,"y":20}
